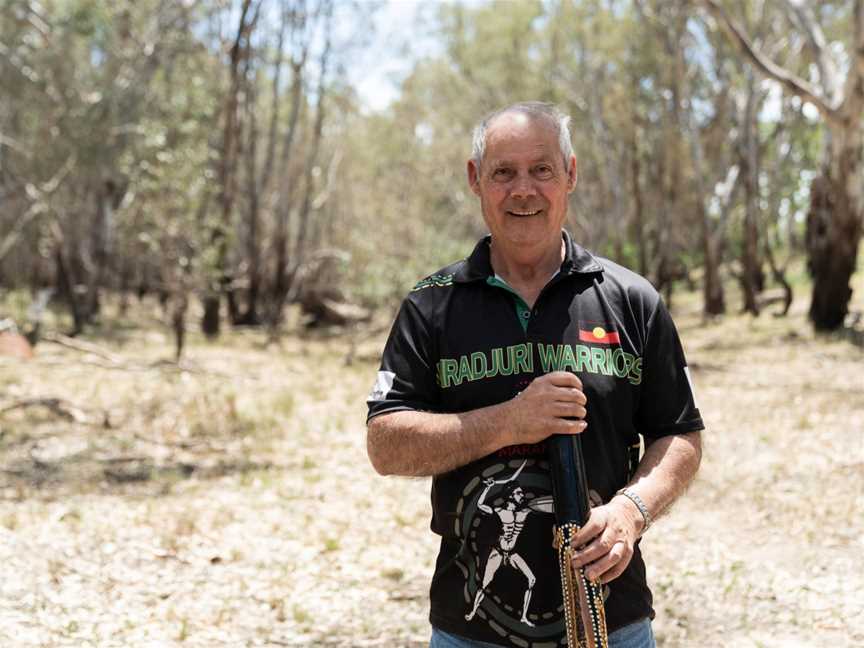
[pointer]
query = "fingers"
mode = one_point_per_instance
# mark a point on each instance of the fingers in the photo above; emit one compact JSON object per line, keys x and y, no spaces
{"x":611,"y":566}
{"x":552,"y":404}
{"x":605,"y":548}
{"x":557,"y":425}
{"x":566,"y":387}
{"x":592,"y":529}
{"x":559,"y":386}
{"x":570,"y":395}
{"x":568,"y":410}
{"x":604,"y":559}
{"x":564,"y":379}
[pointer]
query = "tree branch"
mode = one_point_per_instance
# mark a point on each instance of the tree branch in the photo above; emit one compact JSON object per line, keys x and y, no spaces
{"x":802,"y":16}
{"x":39,"y":197}
{"x":83,"y":347}
{"x":791,"y":82}
{"x":853,"y":101}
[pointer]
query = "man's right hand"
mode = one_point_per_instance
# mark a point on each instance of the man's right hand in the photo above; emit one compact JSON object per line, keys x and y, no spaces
{"x":552,"y":404}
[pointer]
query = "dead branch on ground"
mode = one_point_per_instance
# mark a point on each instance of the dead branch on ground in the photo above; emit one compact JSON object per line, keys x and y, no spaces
{"x":62,"y":408}
{"x":82,"y":346}
{"x":107,"y":360}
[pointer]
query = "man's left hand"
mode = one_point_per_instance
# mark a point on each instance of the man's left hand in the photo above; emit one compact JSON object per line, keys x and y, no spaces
{"x":607,"y":540}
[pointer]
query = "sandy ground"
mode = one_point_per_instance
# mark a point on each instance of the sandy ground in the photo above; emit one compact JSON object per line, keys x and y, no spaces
{"x":232,"y":504}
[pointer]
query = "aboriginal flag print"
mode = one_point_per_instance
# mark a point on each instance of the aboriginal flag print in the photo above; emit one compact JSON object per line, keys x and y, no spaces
{"x":597,"y":334}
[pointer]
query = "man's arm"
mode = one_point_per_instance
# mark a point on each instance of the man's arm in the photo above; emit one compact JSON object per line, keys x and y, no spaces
{"x":425,"y":443}
{"x":666,"y":469}
{"x":481,"y":502}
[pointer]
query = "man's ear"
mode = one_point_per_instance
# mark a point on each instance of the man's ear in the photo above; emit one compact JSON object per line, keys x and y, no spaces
{"x":572,"y":174}
{"x":473,"y":176}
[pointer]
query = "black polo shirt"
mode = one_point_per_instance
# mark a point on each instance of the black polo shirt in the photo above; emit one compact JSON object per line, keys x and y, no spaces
{"x":464,"y":340}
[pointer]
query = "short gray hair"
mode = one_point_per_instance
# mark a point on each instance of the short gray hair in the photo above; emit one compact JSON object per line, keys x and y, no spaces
{"x":534,"y":110}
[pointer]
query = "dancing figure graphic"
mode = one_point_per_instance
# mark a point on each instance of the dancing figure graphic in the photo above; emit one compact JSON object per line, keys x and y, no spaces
{"x":513,"y":513}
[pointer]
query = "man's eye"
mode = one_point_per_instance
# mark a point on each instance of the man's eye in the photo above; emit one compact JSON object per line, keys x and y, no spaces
{"x":543,"y":171}
{"x":502,"y":174}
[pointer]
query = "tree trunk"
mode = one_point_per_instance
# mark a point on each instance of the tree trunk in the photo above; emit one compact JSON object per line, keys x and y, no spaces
{"x":258,"y":186}
{"x":318,"y":129}
{"x":210,"y":324}
{"x":253,"y":190}
{"x":66,"y":287}
{"x":779,"y":275}
{"x":638,"y":205}
{"x":108,"y":198}
{"x":300,"y":51}
{"x":674,"y":152}
{"x":178,"y":321}
{"x":833,"y":233}
{"x":210,"y":321}
{"x":712,"y":288}
{"x":748,"y":160}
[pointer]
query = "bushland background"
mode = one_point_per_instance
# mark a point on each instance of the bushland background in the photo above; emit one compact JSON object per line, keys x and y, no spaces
{"x":209,"y":211}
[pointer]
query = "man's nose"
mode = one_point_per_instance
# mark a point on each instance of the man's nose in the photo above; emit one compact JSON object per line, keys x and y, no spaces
{"x":523,"y":187}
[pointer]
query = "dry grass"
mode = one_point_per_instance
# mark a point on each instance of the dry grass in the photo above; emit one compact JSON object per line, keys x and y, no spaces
{"x":234,"y":506}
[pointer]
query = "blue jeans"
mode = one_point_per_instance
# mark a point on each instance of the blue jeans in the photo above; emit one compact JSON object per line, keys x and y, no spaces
{"x":635,"y":635}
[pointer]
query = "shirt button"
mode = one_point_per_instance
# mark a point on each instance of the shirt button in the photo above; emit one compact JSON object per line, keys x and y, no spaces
{"x":526,"y":314}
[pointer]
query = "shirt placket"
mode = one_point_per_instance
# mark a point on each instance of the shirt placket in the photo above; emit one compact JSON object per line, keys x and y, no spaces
{"x":523,"y":311}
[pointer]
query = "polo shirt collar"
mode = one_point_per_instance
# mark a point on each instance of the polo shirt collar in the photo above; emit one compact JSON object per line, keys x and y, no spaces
{"x":478,"y":266}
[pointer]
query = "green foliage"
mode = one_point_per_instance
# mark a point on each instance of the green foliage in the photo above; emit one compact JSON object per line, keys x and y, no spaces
{"x":136,"y":93}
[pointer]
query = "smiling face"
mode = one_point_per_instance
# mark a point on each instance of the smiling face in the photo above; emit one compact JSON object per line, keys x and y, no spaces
{"x":523,"y":184}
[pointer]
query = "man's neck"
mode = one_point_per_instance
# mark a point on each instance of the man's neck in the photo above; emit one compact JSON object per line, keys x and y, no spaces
{"x":527,"y":271}
{"x":527,"y":266}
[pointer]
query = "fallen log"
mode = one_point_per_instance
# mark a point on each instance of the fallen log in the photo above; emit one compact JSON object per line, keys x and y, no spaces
{"x":326,"y":311}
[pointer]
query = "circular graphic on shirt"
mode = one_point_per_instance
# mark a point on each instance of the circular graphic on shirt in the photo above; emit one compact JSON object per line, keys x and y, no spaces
{"x":511,"y":572}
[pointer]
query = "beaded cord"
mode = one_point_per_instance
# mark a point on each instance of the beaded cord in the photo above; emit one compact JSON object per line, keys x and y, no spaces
{"x":584,"y":614}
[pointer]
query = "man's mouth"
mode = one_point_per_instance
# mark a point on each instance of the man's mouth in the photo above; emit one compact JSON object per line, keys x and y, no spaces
{"x":523,"y":213}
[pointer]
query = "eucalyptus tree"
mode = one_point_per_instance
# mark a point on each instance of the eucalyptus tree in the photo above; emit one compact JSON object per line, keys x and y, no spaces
{"x":82,"y":74}
{"x":834,"y":85}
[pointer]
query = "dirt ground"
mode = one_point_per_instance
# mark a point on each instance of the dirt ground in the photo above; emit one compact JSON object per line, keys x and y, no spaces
{"x":230,"y":503}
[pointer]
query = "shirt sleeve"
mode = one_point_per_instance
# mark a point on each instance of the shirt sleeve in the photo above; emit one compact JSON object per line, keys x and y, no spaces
{"x":667,"y":403}
{"x":406,"y":379}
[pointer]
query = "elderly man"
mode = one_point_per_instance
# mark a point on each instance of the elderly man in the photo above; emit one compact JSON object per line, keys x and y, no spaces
{"x":528,"y":337}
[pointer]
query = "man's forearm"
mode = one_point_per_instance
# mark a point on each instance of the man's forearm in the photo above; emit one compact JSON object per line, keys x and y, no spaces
{"x":607,"y":540}
{"x":666,"y":469}
{"x":424,"y":443}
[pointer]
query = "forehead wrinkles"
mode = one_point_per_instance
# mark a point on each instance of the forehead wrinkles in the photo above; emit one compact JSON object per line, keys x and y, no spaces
{"x":514,"y":148}
{"x":534,"y":157}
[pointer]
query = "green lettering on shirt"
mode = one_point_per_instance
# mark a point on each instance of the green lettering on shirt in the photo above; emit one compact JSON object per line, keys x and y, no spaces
{"x":447,"y":369}
{"x":568,"y":361}
{"x":598,"y":360}
{"x":550,"y":356}
{"x":498,"y":362}
{"x":523,"y":358}
{"x":519,"y":359}
{"x":635,"y":376}
{"x":620,"y":363}
{"x":479,"y":365}
{"x":583,"y":358}
{"x":464,"y":370}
